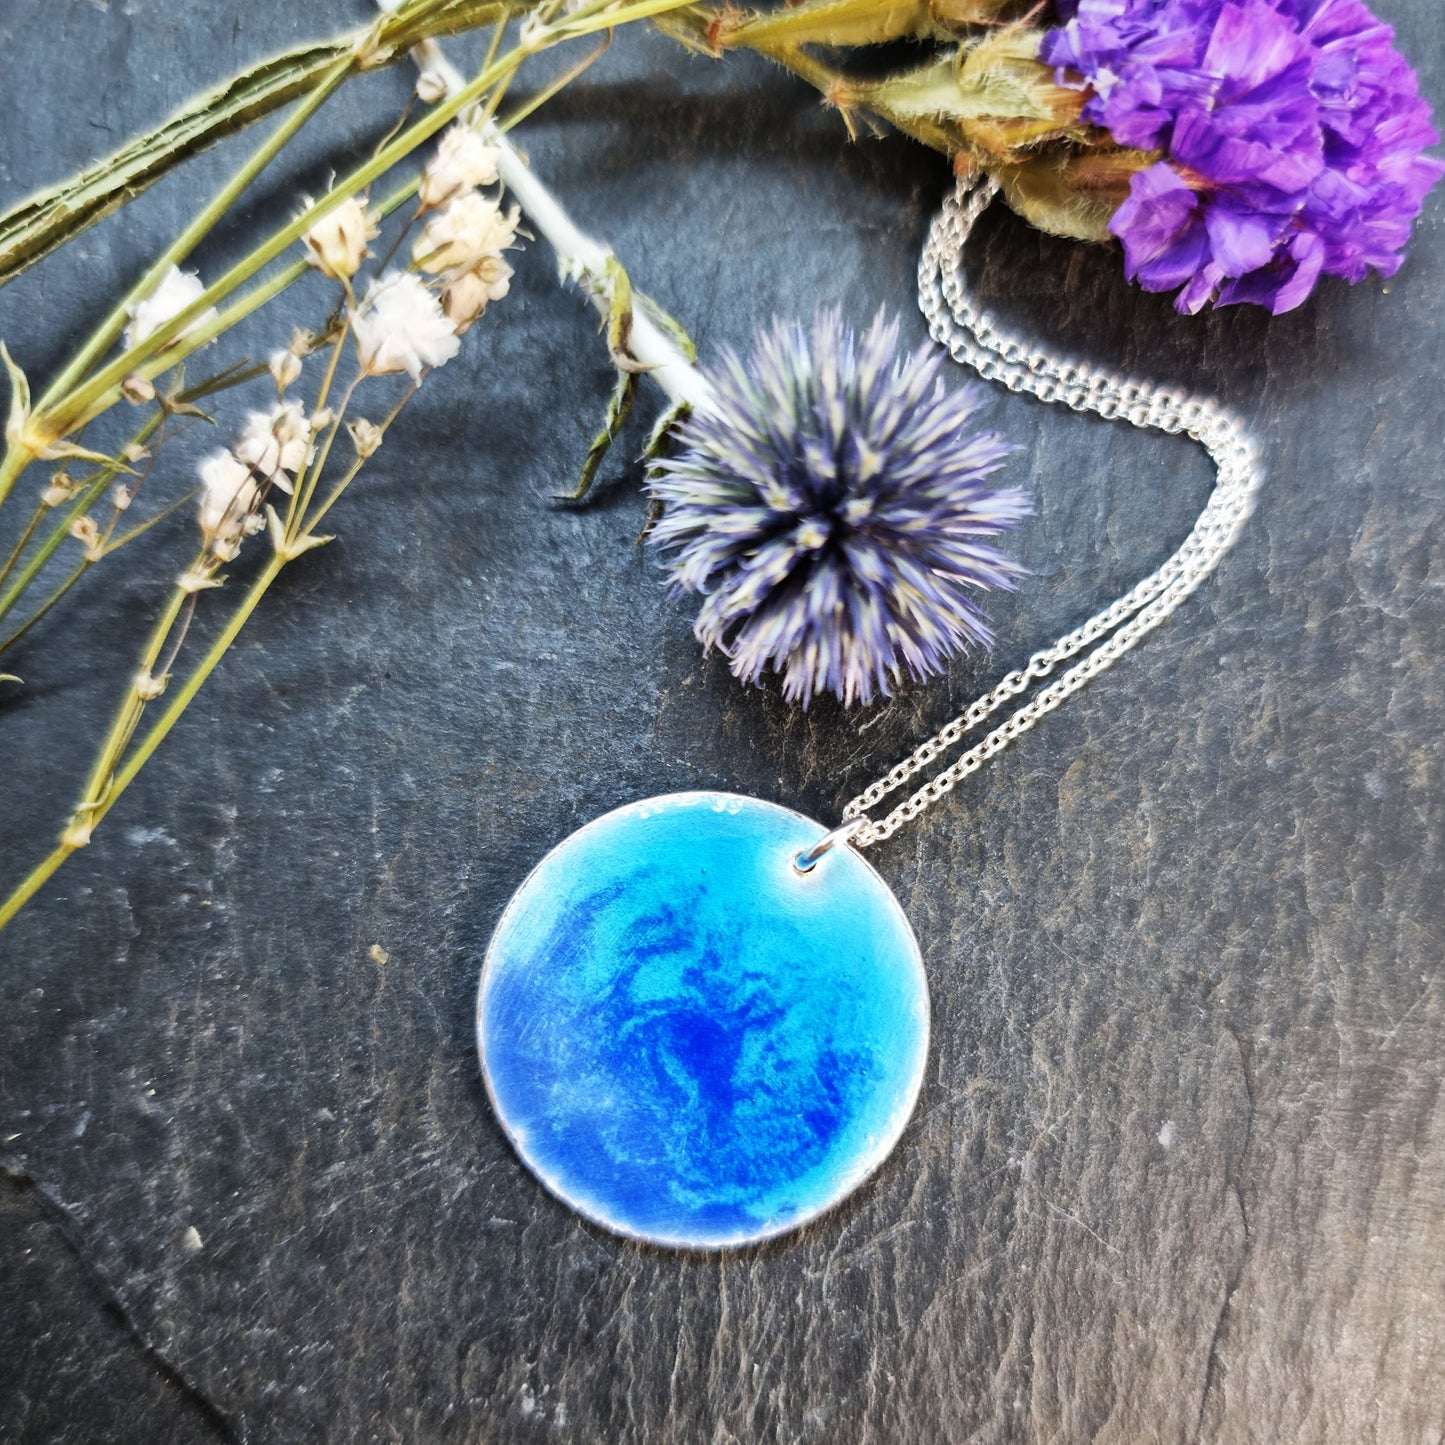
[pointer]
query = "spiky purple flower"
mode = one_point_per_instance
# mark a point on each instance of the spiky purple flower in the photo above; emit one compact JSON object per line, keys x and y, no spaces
{"x":832,"y":508}
{"x":1292,"y":134}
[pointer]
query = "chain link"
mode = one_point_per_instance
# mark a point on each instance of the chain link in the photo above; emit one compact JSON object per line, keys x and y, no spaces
{"x":956,"y":322}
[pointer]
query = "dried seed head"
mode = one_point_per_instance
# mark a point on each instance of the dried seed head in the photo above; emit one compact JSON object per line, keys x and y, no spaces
{"x":148,"y":688}
{"x":120,"y":497}
{"x":467,"y":297}
{"x":275,"y":444}
{"x":84,"y":530}
{"x":431,"y":86}
{"x":230,"y":499}
{"x":836,"y":511}
{"x":400,"y":326}
{"x":177,"y":290}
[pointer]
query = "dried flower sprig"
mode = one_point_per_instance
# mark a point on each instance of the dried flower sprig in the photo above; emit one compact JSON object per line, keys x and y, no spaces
{"x":826,"y":497}
{"x":833,"y":508}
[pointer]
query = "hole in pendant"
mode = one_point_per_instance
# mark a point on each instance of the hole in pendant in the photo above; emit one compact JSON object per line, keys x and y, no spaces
{"x":807,"y":860}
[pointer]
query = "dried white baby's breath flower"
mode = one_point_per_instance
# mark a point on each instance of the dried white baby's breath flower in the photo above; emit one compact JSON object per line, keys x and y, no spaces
{"x":177,"y":290}
{"x":137,"y":389}
{"x":275,"y":444}
{"x":467,"y":296}
{"x":336,"y":244}
{"x":57,"y":490}
{"x":365,"y":436}
{"x":400,"y":326}
{"x":285,"y":367}
{"x":84,"y":530}
{"x":230,"y":498}
{"x":472,"y":226}
{"x":463,"y":161}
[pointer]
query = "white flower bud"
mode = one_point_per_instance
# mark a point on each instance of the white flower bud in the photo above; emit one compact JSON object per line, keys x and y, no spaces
{"x":285,"y":367}
{"x":177,"y":290}
{"x":137,"y":389}
{"x":463,"y":161}
{"x":365,"y":436}
{"x":431,"y":86}
{"x":336,"y":244}
{"x":120,"y":497}
{"x":400,"y":326}
{"x":472,"y":226}
{"x":84,"y":530}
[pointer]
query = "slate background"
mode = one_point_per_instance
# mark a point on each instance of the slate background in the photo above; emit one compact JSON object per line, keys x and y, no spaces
{"x":1179,"y":1168}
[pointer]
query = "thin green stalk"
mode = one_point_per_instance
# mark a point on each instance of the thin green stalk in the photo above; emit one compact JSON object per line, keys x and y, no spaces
{"x":23,"y":542}
{"x":62,"y":415}
{"x":81,"y":569}
{"x":300,"y":488}
{"x":58,"y":533}
{"x":313,"y":521}
{"x":306,"y":487}
{"x":190,"y":237}
{"x":122,"y":779}
{"x":97,"y":786}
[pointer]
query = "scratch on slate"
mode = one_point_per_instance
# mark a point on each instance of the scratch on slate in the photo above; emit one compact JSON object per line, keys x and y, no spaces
{"x":113,"y":1305}
{"x":1236,"y":1276}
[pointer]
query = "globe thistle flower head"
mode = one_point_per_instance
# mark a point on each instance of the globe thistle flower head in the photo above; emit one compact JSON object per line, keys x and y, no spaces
{"x":835,"y":512}
{"x":1292,"y":135}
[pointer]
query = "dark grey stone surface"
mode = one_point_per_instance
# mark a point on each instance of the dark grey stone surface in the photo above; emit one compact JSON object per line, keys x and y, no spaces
{"x":1179,"y":1167}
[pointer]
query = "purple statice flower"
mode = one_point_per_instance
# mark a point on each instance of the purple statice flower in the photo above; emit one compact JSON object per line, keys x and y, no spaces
{"x":833,"y":508}
{"x":1291,"y":134}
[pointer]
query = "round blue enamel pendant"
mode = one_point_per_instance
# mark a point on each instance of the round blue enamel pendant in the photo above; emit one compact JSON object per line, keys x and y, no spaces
{"x":688,"y":1039}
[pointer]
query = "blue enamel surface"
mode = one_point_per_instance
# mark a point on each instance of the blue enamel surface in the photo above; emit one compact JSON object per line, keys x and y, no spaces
{"x":689,"y":1041}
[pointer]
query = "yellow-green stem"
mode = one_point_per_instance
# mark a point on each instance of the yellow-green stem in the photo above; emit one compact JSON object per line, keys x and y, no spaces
{"x":42,"y":872}
{"x":61,"y":530}
{"x":200,"y":226}
{"x":22,"y":542}
{"x":63,"y":414}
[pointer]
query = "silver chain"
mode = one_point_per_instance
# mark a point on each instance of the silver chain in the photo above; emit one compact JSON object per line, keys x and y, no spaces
{"x":957,"y":322}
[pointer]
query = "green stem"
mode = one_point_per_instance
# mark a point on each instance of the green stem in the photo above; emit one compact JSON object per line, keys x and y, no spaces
{"x":42,"y":872}
{"x":45,"y":606}
{"x":18,"y":549}
{"x":191,"y":236}
{"x":59,"y":416}
{"x":61,"y":530}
